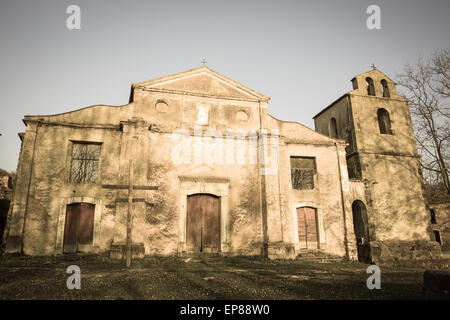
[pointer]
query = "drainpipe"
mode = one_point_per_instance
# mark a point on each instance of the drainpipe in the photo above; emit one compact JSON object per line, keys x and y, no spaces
{"x":347,"y":255}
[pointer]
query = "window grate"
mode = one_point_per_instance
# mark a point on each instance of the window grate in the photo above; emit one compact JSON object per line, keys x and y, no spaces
{"x":84,"y":163}
{"x":303,"y":171}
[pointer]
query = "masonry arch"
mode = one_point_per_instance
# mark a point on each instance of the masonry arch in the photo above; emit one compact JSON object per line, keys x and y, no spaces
{"x":384,"y":121}
{"x":370,"y":86}
{"x":385,"y":89}
{"x":361,"y":229}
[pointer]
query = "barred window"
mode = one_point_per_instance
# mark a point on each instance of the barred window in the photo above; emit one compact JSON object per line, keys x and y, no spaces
{"x":84,"y":165}
{"x":302,"y":173}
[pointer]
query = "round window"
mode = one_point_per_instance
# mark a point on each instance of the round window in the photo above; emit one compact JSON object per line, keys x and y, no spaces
{"x":162,"y":106}
{"x":241,"y":115}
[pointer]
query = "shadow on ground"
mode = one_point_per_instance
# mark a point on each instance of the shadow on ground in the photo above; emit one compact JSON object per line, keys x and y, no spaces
{"x":255,"y":278}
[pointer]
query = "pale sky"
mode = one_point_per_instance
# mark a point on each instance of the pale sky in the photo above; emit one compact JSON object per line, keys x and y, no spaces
{"x":302,"y":54}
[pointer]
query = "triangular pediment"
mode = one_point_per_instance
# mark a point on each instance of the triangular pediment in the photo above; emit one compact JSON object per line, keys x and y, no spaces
{"x":202,"y":81}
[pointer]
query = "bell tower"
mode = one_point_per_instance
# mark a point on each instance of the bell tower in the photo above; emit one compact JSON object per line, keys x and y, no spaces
{"x":382,"y":155}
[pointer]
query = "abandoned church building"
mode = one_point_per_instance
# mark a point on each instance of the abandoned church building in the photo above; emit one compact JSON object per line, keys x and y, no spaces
{"x":198,"y":163}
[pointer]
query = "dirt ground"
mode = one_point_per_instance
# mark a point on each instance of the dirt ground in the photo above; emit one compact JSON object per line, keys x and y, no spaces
{"x":253,"y":278}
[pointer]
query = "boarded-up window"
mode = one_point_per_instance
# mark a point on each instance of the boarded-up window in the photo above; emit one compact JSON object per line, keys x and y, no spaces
{"x":302,"y":172}
{"x":84,"y":165}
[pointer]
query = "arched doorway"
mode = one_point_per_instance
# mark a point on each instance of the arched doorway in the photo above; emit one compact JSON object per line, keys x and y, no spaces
{"x":360,"y":225}
{"x":79,"y":227}
{"x":307,"y":228}
{"x":203,"y":223}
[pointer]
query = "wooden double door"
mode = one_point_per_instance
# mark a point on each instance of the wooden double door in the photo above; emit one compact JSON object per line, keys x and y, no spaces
{"x":79,"y":228}
{"x":307,"y":228}
{"x":203,"y":223}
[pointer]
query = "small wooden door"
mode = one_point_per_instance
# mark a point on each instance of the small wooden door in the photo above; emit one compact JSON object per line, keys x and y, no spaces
{"x":307,"y":228}
{"x":79,"y":229}
{"x":203,"y":223}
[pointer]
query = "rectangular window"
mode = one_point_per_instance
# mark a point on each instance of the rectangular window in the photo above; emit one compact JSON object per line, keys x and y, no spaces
{"x":303,"y":171}
{"x":84,"y":164}
{"x":433,"y":216}
{"x":437,"y":236}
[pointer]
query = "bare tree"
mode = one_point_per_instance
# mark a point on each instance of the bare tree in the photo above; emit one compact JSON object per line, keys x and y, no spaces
{"x":427,"y":87}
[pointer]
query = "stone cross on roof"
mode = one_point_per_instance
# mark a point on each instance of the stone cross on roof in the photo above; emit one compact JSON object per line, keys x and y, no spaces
{"x":204,"y":62}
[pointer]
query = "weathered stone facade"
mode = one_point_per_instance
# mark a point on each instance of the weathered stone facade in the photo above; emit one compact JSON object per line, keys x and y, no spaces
{"x":199,"y":132}
{"x":440,"y":224}
{"x":382,"y":154}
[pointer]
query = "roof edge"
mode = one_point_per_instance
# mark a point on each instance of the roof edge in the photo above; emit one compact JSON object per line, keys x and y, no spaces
{"x":331,"y":104}
{"x":341,"y":141}
{"x":194,"y":71}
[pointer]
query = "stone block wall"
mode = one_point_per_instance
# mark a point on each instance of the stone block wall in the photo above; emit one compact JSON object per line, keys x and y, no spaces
{"x":397,"y":251}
